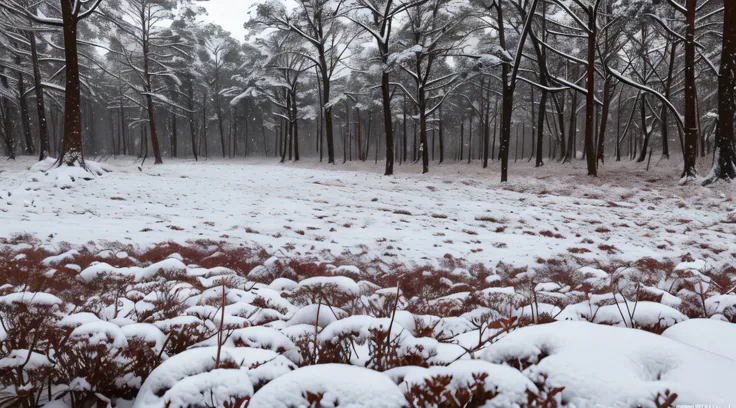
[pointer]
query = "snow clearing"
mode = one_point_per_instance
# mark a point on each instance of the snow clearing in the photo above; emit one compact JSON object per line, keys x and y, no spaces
{"x":305,"y":211}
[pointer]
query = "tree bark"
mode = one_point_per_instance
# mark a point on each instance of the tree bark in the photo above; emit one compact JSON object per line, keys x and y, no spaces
{"x":149,"y":100}
{"x":71,"y":144}
{"x":724,"y":159}
{"x":174,"y":136}
{"x":25,"y":119}
{"x":43,"y":130}
{"x":604,"y":120}
{"x":590,"y":101}
{"x":388,"y":123}
{"x":691,"y":125}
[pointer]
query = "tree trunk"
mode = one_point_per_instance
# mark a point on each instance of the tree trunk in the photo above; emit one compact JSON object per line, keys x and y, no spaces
{"x":6,"y":130}
{"x":442,"y":138}
{"x":174,"y":136}
{"x":192,"y":120}
{"x":404,"y":124}
{"x":495,"y":130}
{"x":296,"y":125}
{"x":203,"y":137}
{"x":507,"y":109}
{"x":590,"y":101}
{"x":646,"y":133}
{"x":25,"y":119}
{"x":604,"y":120}
{"x":470,"y":138}
{"x":462,"y":136}
{"x":691,"y":125}
{"x":220,"y":120}
{"x":320,"y":139}
{"x":423,"y":148}
{"x":724,"y":157}
{"x":43,"y":130}
{"x":149,"y":104}
{"x":325,"y":105}
{"x":358,"y":134}
{"x":571,"y":147}
{"x":486,"y":117}
{"x":388,"y":123}
{"x":665,"y":111}
{"x":71,"y":144}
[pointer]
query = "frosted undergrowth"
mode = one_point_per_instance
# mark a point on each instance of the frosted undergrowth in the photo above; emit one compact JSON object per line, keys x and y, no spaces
{"x":115,"y":328}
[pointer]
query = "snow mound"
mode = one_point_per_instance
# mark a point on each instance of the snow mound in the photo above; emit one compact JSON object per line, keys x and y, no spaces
{"x":606,"y":365}
{"x":100,"y":333}
{"x":260,"y":365}
{"x":218,"y":387}
{"x":65,"y":176}
{"x":509,"y":385}
{"x":266,"y":338}
{"x":340,"y":283}
{"x":22,"y":358}
{"x":145,"y":332}
{"x":646,"y":314}
{"x":711,"y":335}
{"x":31,"y":299}
{"x":332,"y":385}
{"x":323,"y":315}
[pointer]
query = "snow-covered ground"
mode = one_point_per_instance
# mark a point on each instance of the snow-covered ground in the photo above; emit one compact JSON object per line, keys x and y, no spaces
{"x":318,"y":335}
{"x":119,"y":318}
{"x":303,"y":209}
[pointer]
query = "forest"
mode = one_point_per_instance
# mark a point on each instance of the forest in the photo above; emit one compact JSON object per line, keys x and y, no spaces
{"x":425,"y":81}
{"x":367,"y":203}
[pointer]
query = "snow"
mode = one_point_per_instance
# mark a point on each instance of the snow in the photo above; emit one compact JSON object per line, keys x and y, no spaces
{"x":644,"y":313}
{"x":31,"y":298}
{"x":253,"y":200}
{"x":194,"y":362}
{"x":336,"y":243}
{"x":281,"y":284}
{"x":509,"y":384}
{"x":599,"y":364}
{"x":339,"y":283}
{"x":78,"y":319}
{"x":100,"y":269}
{"x":217,"y":387}
{"x":321,"y":314}
{"x":145,"y":332}
{"x":100,"y":333}
{"x":21,"y":358}
{"x":264,"y":338}
{"x":710,"y":335}
{"x":721,"y":305}
{"x":58,"y":259}
{"x":338,"y":384}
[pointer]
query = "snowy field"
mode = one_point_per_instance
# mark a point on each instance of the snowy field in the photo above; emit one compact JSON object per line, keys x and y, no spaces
{"x":248,"y":284}
{"x":303,"y":210}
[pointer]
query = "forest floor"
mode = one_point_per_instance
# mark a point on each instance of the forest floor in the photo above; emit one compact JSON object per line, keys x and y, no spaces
{"x":247,"y":283}
{"x":312,"y":209}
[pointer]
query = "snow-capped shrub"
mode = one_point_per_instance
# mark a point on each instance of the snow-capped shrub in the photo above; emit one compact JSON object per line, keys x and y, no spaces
{"x":466,"y":383}
{"x":197,"y":372}
{"x":598,"y":364}
{"x":271,"y":269}
{"x":184,"y":332}
{"x":92,"y":363}
{"x":334,"y":290}
{"x":330,"y":385}
{"x":96,"y":340}
{"x":24,"y":376}
{"x":266,"y":338}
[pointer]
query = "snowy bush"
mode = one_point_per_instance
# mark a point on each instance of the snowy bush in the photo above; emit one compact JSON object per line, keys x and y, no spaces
{"x":169,"y":327}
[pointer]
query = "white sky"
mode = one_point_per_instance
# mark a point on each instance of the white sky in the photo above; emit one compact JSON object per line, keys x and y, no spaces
{"x":230,"y":14}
